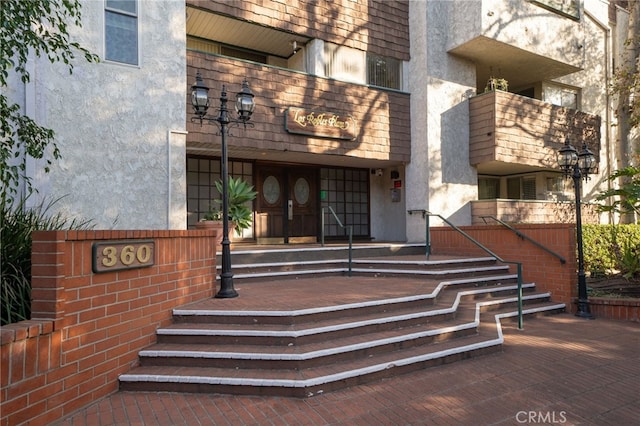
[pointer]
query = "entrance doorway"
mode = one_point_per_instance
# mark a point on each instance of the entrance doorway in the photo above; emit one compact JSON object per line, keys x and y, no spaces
{"x":286,"y":205}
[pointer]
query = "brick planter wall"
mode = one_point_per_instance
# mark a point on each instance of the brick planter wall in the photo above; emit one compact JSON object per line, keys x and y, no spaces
{"x":87,"y":328}
{"x":617,"y":309}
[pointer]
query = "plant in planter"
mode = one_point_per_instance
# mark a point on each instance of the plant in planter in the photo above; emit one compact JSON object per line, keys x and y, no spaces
{"x":496,"y":84}
{"x":240,"y":193}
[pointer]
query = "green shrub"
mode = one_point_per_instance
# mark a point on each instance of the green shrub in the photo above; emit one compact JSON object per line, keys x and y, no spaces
{"x":17,"y":224}
{"x":612,"y":248}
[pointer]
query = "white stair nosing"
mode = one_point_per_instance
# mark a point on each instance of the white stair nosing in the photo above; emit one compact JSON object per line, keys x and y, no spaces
{"x":306,"y":355}
{"x":317,"y":381}
{"x":326,"y":309}
{"x":327,"y":248}
{"x":363,"y":261}
{"x":365,"y":270}
{"x":333,"y":328}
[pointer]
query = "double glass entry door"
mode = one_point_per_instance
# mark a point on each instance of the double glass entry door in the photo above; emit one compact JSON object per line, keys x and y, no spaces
{"x":286,"y":205}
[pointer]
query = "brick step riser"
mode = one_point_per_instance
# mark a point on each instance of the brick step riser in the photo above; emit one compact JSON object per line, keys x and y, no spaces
{"x":184,"y":339}
{"x":511,"y":305}
{"x":303,"y":392}
{"x":388,"y":271}
{"x":289,"y":255}
{"x":283,"y":266}
{"x":301,"y":340}
{"x":347,"y":313}
{"x":232,"y":363}
{"x":422,"y":267}
{"x":514,"y":319}
{"x":293,"y":320}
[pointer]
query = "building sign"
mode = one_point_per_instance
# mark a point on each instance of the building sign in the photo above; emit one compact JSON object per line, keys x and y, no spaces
{"x":118,"y":255}
{"x":320,"y":123}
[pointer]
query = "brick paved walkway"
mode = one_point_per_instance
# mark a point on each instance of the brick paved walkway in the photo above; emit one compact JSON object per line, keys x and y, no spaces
{"x":559,"y":370}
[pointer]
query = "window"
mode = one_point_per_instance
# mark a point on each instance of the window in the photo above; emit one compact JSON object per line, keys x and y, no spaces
{"x":202,"y":173}
{"x":243,"y":54}
{"x":529,"y":188}
{"x":555,"y":184}
{"x":561,"y":95}
{"x":344,"y":63}
{"x":383,"y":71}
{"x":488,"y":188}
{"x":347,"y":192}
{"x":521,"y":188}
{"x":121,"y":31}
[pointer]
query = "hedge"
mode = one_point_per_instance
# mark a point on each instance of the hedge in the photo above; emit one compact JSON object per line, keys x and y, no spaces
{"x":611,"y":248}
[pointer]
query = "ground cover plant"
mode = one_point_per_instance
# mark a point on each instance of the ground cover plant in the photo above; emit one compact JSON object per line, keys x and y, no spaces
{"x":17,"y":223}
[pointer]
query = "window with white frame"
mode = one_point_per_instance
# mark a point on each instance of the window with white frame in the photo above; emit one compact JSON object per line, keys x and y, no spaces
{"x":121,"y":31}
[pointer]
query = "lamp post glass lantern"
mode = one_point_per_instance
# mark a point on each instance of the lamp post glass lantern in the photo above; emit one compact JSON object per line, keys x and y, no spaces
{"x":578,"y":166}
{"x":244,"y":107}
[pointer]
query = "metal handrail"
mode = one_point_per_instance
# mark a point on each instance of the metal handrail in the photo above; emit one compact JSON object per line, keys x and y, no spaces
{"x":525,"y":237}
{"x":426,"y":214}
{"x":349,"y":229}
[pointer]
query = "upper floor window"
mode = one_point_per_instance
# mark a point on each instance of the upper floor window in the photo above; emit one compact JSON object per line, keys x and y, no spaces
{"x":344,"y":63}
{"x":565,"y":96}
{"x":209,"y":46}
{"x":521,"y":188}
{"x":121,"y":31}
{"x":354,"y":65}
{"x":488,"y":188}
{"x":383,"y":71}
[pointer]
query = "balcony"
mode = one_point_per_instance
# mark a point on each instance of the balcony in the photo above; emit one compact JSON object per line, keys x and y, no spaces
{"x":514,"y":134}
{"x":531,"y":211}
{"x":516,"y":39}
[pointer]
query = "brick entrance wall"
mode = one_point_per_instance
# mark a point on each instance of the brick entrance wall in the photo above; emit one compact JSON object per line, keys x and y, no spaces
{"x":88,"y":328}
{"x":538,"y":266}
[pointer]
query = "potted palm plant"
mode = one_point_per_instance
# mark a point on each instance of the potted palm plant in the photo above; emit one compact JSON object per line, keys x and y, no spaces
{"x":240,"y":193}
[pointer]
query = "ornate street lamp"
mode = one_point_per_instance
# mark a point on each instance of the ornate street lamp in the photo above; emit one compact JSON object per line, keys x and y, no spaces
{"x":244,"y":108}
{"x":578,"y":166}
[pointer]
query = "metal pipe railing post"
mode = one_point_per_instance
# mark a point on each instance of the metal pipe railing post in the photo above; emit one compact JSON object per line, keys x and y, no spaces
{"x":427,"y":236}
{"x":322,"y":229}
{"x":350,"y":248}
{"x":520,"y":325}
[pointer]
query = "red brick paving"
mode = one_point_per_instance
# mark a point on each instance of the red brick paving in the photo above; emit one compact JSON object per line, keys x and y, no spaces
{"x":558,"y":370}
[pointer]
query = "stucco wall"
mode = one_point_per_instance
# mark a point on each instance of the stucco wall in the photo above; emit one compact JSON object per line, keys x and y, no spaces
{"x":120,"y":128}
{"x":516,"y":23}
{"x":594,"y":79}
{"x":439,"y":177}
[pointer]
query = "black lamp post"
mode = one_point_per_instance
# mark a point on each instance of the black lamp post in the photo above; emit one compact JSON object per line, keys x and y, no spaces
{"x":244,"y":108}
{"x":578,"y":166}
